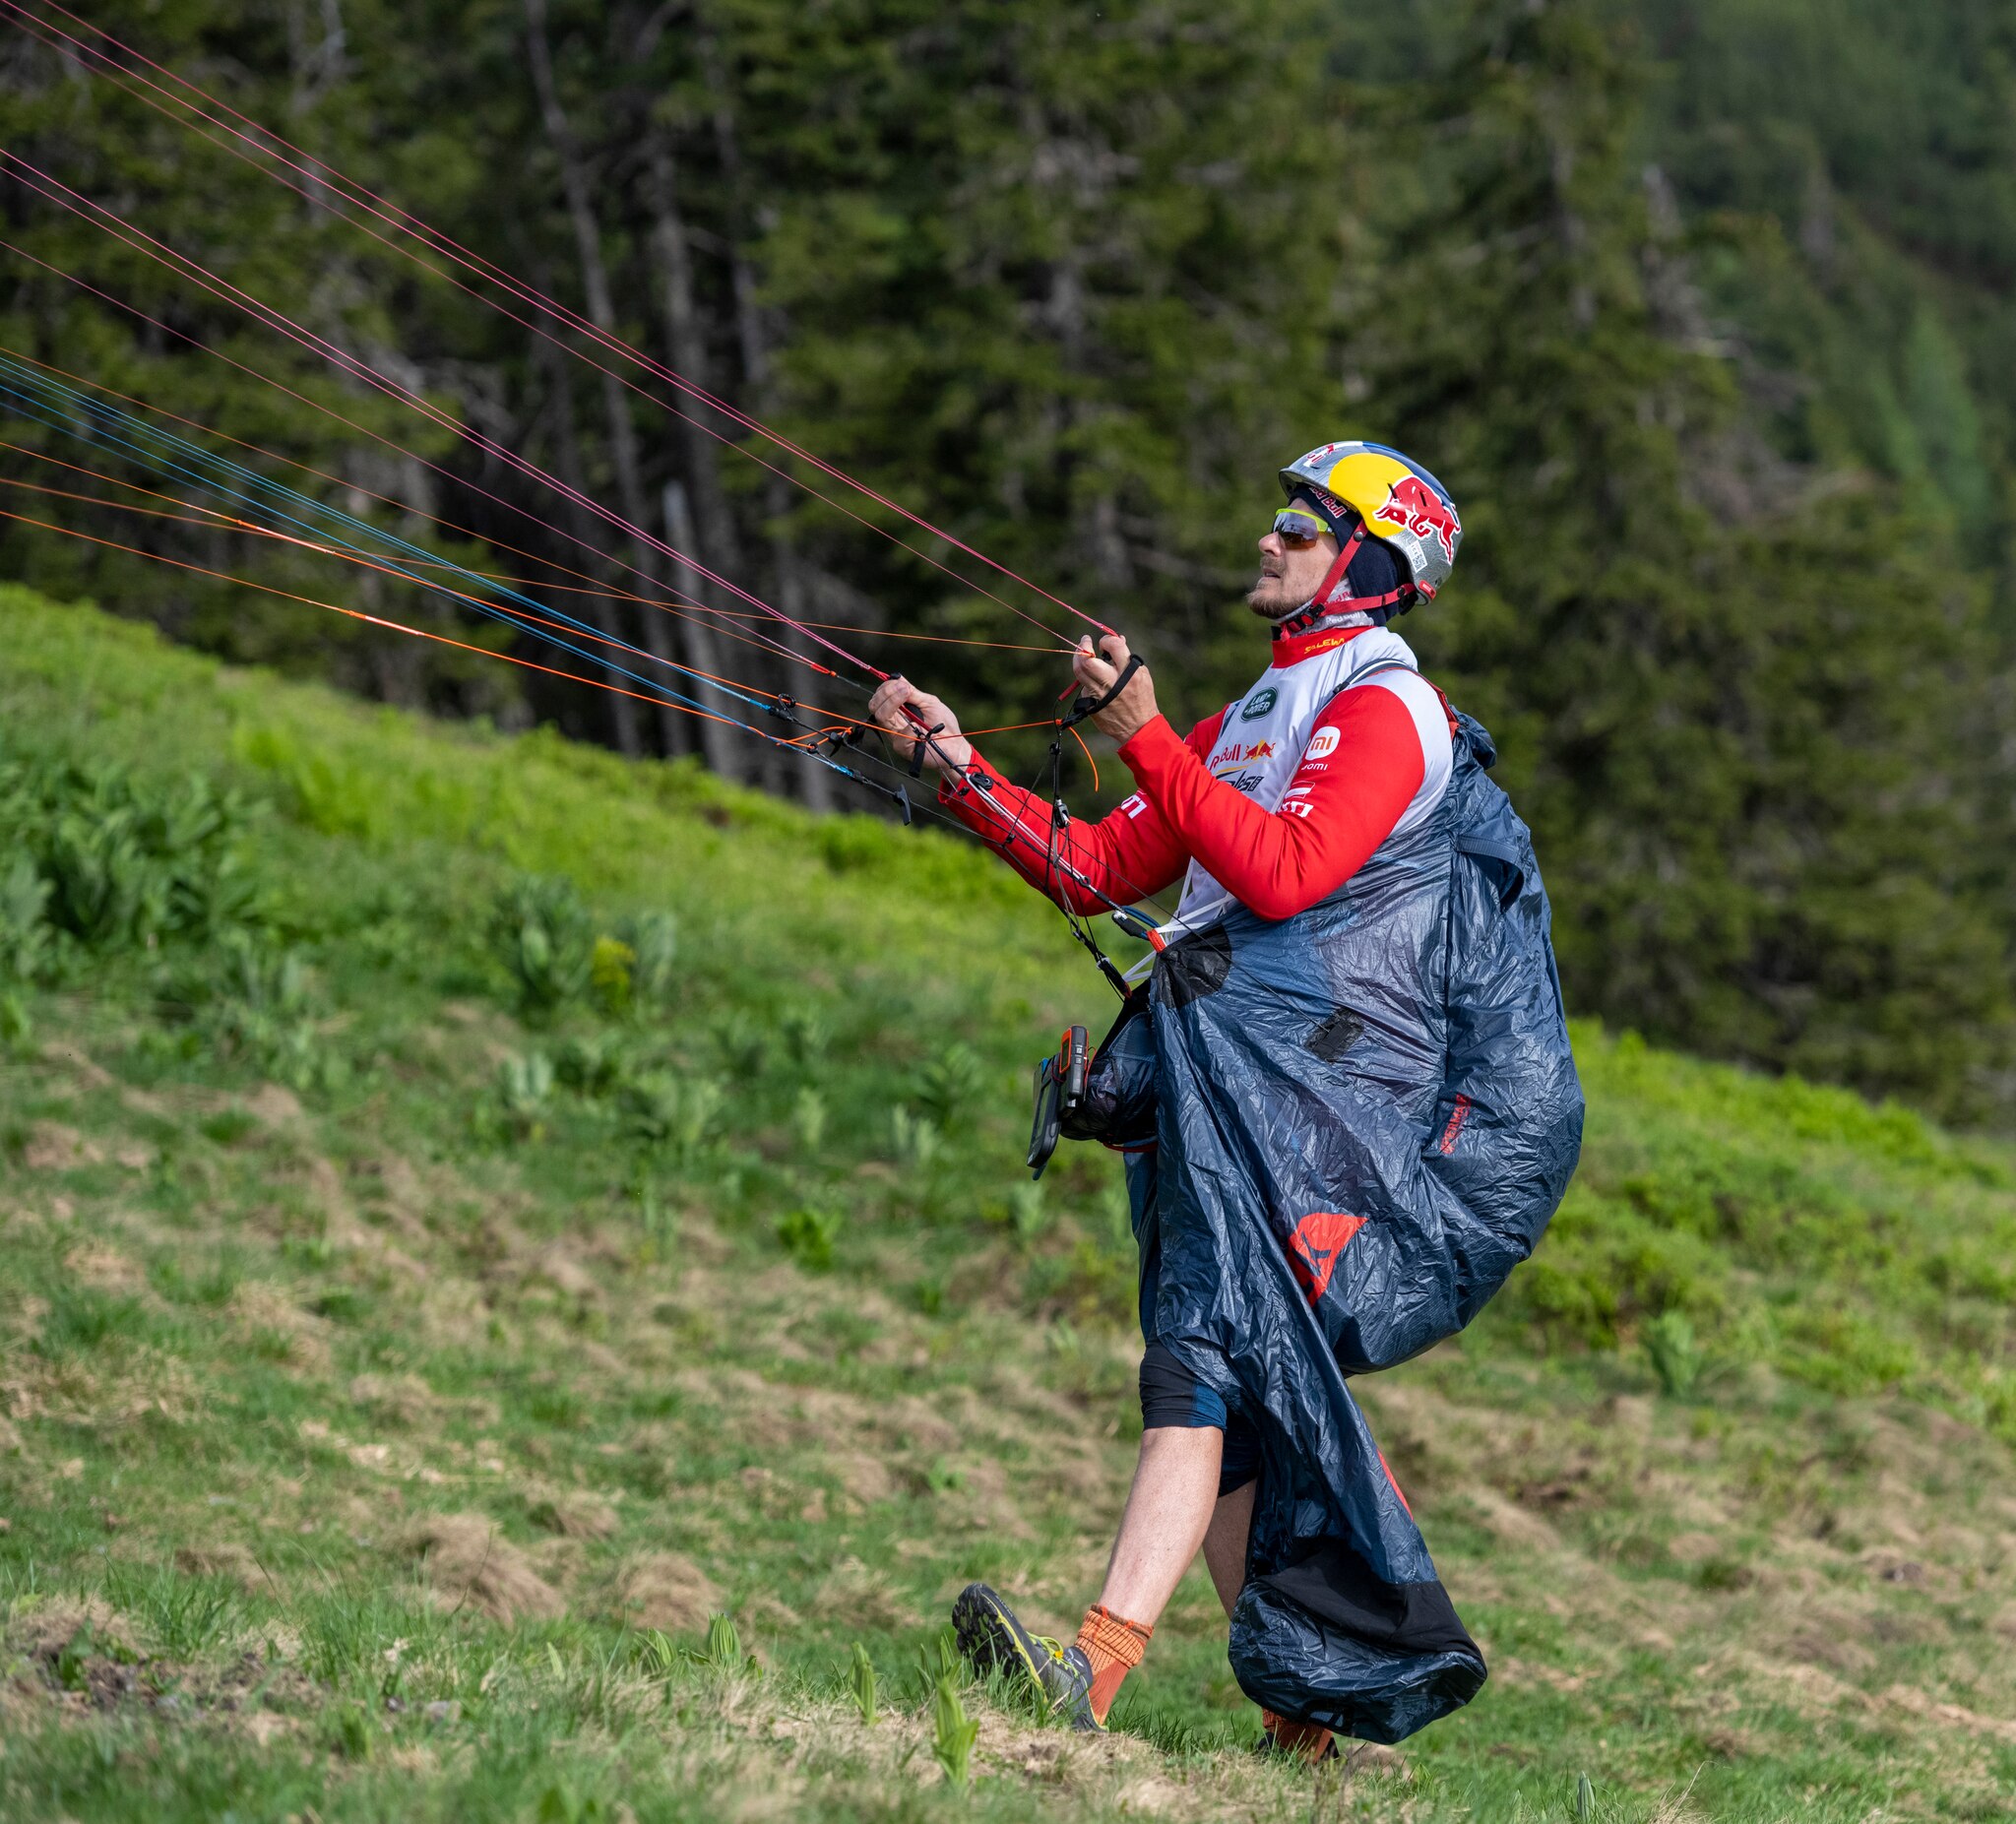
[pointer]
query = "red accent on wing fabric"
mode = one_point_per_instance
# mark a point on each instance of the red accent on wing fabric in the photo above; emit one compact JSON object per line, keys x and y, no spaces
{"x":1393,"y":1481}
{"x":1313,"y":1248}
{"x":1282,"y":862}
{"x":1128,"y":854}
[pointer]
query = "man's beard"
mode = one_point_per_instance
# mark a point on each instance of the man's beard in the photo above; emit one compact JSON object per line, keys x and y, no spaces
{"x":1270,"y":599}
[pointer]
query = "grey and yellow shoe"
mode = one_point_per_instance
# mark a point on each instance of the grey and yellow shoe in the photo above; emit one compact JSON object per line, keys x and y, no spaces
{"x":993,"y":1640}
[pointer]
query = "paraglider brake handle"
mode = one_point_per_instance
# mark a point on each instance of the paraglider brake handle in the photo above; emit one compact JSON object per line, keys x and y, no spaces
{"x":928,"y":738}
{"x":1085,"y":707}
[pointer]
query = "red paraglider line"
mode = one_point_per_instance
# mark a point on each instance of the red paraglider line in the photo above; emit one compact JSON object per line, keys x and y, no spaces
{"x":359,"y":197}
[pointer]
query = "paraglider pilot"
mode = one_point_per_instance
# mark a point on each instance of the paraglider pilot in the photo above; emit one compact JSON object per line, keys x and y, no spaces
{"x":1346,"y":1099}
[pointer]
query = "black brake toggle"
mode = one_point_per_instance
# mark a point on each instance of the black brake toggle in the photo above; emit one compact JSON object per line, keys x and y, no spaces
{"x":1084,"y":707}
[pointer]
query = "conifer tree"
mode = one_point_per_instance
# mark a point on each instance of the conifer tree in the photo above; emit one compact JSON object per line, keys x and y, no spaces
{"x":1727,"y":709}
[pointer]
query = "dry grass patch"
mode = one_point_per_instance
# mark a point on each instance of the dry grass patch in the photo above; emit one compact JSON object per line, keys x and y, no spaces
{"x":102,"y":1266}
{"x":50,"y":1146}
{"x":233,"y":1562}
{"x":867,"y":1480}
{"x":668,"y":1590}
{"x":39,"y":1626}
{"x":853,"y":1595}
{"x":468,"y":1562}
{"x":274,"y":1105}
{"x":262,"y":1313}
{"x":400,"y":1399}
{"x":574,"y":1516}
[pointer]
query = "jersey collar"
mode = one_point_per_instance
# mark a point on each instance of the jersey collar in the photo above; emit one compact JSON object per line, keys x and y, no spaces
{"x":1291,"y":649}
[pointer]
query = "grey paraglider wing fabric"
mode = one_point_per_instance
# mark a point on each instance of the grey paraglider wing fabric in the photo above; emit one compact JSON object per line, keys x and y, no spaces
{"x":1366,"y":1115}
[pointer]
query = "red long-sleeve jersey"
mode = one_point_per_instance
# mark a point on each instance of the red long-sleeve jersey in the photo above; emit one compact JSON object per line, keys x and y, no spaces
{"x":1278,"y":822}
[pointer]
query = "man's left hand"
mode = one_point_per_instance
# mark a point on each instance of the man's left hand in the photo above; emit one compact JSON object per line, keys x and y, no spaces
{"x":1096,"y":670}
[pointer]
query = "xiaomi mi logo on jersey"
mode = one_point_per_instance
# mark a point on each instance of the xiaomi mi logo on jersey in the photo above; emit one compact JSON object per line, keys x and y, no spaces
{"x":1322,"y":744}
{"x":1259,"y":704}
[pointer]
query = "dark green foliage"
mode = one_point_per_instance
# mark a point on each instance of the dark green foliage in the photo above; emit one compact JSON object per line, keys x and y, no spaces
{"x":1702,"y":311}
{"x":1676,"y":1355}
{"x":671,"y":1115}
{"x":17,"y":1024}
{"x":542,"y":935}
{"x":25,"y":935}
{"x":102,"y":862}
{"x":250,"y":999}
{"x":653,"y":940}
{"x":807,"y":1237}
{"x":952,"y":1084}
{"x":525,"y":1086}
{"x":594,"y":1065}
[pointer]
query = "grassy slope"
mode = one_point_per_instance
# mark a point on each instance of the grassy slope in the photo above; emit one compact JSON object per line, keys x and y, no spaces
{"x":352,"y":1436}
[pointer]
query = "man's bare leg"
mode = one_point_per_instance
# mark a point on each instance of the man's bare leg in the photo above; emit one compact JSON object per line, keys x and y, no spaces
{"x":1225,"y":1542}
{"x":1172,"y":1510}
{"x":1168,"y":1512}
{"x":1225,"y":1556}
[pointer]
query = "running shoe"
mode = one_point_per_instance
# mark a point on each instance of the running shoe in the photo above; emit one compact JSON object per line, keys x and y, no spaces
{"x":993,"y":1640}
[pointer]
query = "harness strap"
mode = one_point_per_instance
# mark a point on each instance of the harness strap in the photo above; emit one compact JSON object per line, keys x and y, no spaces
{"x":1401,"y":665}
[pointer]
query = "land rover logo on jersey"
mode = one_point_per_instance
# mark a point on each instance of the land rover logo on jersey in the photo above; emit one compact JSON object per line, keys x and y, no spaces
{"x":1259,"y":704}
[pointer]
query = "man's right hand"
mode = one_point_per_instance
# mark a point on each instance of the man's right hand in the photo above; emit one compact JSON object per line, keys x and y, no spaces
{"x":888,"y":706}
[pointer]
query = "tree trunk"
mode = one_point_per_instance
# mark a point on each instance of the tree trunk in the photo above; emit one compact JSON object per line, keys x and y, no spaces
{"x":597,"y":609}
{"x":717,"y":740}
{"x":601,"y":312}
{"x":712,"y":531}
{"x":814,"y":781}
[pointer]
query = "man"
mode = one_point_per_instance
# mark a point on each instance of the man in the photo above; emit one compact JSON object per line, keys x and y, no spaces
{"x":1332,"y":770}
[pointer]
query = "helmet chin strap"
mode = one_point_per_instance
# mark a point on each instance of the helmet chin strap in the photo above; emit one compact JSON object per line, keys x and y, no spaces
{"x":1333,"y":596}
{"x":1301,"y":619}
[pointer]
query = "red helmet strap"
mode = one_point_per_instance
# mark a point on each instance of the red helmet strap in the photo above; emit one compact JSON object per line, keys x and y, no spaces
{"x":1320,"y":604}
{"x":1336,"y":573}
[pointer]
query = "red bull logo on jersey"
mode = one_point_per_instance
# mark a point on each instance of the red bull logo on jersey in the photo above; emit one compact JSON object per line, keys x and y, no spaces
{"x":1233,"y":754}
{"x":1413,"y":503}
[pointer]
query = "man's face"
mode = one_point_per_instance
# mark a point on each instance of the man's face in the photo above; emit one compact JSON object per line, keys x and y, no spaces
{"x":1290,"y":571}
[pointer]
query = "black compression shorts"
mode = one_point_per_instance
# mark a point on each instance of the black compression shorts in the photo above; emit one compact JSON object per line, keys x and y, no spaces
{"x":1171,"y":1396}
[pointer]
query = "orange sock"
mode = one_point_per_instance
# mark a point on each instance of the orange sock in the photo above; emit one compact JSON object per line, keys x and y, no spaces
{"x":1307,"y":1740}
{"x":1114,"y":1646}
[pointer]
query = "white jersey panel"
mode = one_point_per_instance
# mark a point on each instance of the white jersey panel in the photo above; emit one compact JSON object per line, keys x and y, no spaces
{"x":1266,"y":735}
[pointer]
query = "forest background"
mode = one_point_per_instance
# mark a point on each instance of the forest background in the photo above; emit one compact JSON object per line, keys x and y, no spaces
{"x":1702,"y":309}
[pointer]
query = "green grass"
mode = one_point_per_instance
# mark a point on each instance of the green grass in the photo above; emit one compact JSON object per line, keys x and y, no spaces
{"x":414,"y":1333}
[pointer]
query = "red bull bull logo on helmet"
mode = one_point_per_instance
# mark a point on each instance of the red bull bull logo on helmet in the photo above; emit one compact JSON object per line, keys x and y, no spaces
{"x":1413,"y":503}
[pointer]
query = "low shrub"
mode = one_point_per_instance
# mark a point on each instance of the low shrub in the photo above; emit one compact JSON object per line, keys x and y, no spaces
{"x":542,"y":934}
{"x":105,"y":863}
{"x":807,"y":1237}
